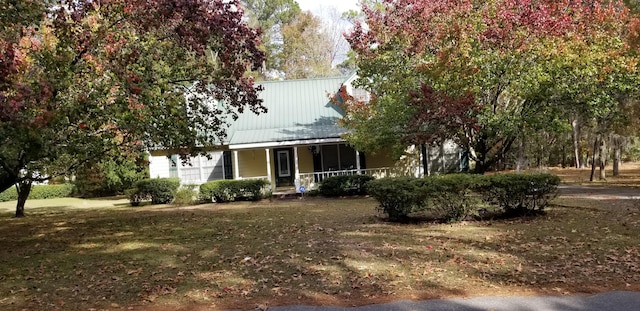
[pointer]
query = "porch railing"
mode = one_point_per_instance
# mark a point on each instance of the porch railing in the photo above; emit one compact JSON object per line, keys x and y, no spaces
{"x":312,"y":180}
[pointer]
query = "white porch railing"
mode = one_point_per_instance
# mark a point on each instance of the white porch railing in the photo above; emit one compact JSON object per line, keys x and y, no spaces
{"x":312,"y":180}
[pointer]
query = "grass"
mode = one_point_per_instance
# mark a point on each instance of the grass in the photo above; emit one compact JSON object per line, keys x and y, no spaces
{"x":314,"y":251}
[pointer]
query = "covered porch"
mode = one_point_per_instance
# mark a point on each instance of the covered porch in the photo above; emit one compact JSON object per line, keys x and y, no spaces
{"x":293,"y":165}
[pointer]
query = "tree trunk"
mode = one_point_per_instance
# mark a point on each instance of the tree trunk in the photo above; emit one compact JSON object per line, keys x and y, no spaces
{"x":575,"y":125}
{"x":617,"y":154}
{"x":24,"y":188}
{"x":602,"y":156}
{"x":593,"y":157}
{"x":425,"y":159}
{"x":521,"y":162}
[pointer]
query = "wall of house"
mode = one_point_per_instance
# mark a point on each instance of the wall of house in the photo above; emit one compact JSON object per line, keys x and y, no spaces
{"x":200,"y":170}
{"x":305,"y":160}
{"x":159,"y":164}
{"x":253,"y":163}
{"x":380,"y":159}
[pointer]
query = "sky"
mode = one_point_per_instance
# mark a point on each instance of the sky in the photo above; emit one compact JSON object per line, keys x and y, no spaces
{"x":316,"y":5}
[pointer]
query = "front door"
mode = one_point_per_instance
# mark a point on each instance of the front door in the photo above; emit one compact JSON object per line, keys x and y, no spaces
{"x":284,"y":167}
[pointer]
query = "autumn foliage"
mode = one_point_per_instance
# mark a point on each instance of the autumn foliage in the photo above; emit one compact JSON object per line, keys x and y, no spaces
{"x":519,"y":62}
{"x":79,"y":78}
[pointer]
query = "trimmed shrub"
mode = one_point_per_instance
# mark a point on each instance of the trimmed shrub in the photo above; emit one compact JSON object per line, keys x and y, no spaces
{"x":158,"y":190}
{"x":450,"y":196}
{"x":344,"y":185}
{"x":232,"y":190}
{"x":397,"y":197}
{"x":519,"y":194}
{"x":40,"y":192}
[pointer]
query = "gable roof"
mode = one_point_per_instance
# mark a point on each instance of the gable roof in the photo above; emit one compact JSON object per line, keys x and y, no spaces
{"x":297,"y":110}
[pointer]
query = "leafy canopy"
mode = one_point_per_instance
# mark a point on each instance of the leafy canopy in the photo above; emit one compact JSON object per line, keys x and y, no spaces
{"x":479,"y":72}
{"x":82,"y":77}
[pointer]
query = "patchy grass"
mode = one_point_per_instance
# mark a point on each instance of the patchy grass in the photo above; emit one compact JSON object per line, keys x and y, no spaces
{"x":313,"y":251}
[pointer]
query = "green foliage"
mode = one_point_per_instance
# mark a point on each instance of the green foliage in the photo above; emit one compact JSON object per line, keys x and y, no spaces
{"x":232,"y":190}
{"x":450,"y":196}
{"x":111,"y":176}
{"x":397,"y":197}
{"x":158,"y":190}
{"x":457,"y":196}
{"x":519,"y":194}
{"x":344,"y":185}
{"x":185,"y":196}
{"x":40,"y":192}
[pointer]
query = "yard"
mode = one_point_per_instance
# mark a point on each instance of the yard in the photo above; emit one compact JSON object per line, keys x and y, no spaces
{"x":313,"y":251}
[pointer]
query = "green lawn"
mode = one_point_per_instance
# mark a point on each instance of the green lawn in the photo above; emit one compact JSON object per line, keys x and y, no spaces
{"x":313,"y":251}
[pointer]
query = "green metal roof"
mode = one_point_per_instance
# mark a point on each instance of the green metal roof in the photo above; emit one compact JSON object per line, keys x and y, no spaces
{"x":296,"y":110}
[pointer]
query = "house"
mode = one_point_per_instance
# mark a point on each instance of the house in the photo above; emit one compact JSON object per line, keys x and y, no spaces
{"x":296,"y":143}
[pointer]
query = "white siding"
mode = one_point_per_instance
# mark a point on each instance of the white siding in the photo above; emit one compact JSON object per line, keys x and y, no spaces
{"x":200,"y":169}
{"x":159,"y":166}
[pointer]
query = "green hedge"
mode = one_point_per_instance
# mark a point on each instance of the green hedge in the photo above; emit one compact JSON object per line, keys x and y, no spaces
{"x":457,"y":196}
{"x":397,"y":197}
{"x":40,"y":192}
{"x":336,"y":186}
{"x":232,"y":190}
{"x":158,"y":190}
{"x":519,"y":194}
{"x":451,"y":197}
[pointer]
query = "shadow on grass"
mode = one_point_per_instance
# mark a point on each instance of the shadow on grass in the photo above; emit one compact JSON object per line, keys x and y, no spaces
{"x":321,"y":252}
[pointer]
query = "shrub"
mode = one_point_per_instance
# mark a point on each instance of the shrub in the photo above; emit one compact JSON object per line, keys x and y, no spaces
{"x":40,"y":192}
{"x":232,"y":190}
{"x":159,"y":190}
{"x":185,"y":196}
{"x":450,"y":196}
{"x":397,"y":197}
{"x":519,"y":194}
{"x":344,"y":185}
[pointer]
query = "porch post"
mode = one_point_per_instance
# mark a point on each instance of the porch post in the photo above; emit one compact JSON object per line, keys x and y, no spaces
{"x":358,"y":161}
{"x":269,"y":167}
{"x":236,"y":167}
{"x":296,"y":168}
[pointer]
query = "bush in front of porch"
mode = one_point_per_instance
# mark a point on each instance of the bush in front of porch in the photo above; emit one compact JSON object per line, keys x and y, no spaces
{"x":232,"y":190}
{"x":344,"y":185}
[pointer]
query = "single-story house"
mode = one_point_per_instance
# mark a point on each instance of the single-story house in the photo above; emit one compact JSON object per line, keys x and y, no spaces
{"x":298,"y":142}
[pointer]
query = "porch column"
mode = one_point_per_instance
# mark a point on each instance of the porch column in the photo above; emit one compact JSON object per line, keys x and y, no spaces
{"x":236,"y":166}
{"x":296,"y":168}
{"x":269,"y":168}
{"x":358,"y":161}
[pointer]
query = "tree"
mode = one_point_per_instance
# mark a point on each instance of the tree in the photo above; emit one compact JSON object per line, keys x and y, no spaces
{"x":307,"y":50}
{"x":79,"y":78}
{"x":500,"y":53}
{"x":271,"y":16}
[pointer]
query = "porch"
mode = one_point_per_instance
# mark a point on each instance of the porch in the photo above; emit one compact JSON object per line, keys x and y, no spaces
{"x":290,"y":167}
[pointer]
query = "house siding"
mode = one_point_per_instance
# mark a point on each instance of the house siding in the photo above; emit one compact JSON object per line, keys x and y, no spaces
{"x":380,"y":159}
{"x":305,"y":158}
{"x":159,"y":164}
{"x":200,"y":171}
{"x":253,"y":163}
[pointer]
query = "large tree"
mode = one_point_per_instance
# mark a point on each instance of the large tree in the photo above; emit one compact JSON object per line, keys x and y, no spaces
{"x":82,"y":77}
{"x":479,"y":72}
{"x":307,"y":50}
{"x":271,"y":16}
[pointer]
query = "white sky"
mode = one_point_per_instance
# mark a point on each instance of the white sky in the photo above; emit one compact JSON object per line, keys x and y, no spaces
{"x":317,"y":5}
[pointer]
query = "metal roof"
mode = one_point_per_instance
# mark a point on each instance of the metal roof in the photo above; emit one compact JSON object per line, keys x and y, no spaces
{"x":296,"y":110}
